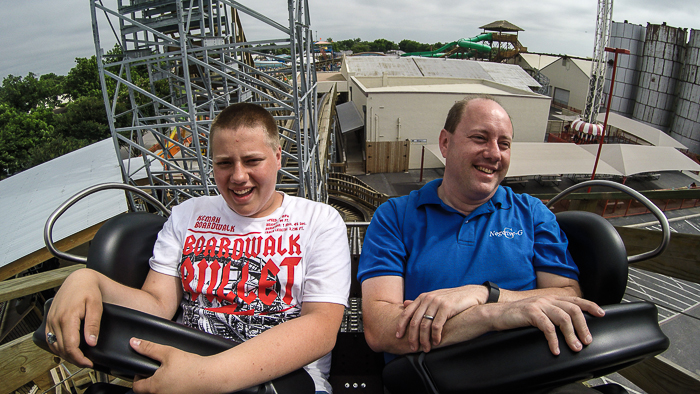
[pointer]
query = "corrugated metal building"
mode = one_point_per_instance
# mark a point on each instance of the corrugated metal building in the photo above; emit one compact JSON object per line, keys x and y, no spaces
{"x":659,"y":82}
{"x":404,"y":102}
{"x":685,"y":126}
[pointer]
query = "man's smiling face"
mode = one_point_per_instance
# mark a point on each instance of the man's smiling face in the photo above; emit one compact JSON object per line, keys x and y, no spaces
{"x":477,"y":154}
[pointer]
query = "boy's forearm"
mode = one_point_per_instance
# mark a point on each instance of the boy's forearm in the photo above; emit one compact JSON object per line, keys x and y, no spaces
{"x":153,"y":298}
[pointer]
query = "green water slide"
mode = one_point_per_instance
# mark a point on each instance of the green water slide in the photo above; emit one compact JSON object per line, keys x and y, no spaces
{"x":466,"y":43}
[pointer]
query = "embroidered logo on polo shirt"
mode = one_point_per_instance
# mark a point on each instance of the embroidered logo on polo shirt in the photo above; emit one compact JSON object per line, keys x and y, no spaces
{"x":507,"y":232}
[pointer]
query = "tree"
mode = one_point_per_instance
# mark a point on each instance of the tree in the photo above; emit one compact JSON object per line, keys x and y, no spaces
{"x":409,"y":46}
{"x":345,"y":45}
{"x":27,"y":93}
{"x":382,"y":45}
{"x":19,"y":132}
{"x":84,"y":119}
{"x":360,"y":47}
{"x":83,"y":79}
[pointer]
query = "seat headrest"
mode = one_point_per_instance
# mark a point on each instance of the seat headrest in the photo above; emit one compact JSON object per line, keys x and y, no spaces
{"x":122,"y":247}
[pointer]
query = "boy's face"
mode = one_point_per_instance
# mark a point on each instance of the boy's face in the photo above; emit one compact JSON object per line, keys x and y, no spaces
{"x":245,"y":170}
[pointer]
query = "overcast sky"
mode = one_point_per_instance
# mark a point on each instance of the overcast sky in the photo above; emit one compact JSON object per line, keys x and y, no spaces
{"x":44,"y":36}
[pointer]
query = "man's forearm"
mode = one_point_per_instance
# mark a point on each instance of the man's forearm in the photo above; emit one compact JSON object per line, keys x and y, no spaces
{"x":380,"y":322}
{"x":512,"y":296}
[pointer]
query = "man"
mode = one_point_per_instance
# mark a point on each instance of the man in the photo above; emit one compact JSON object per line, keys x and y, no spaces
{"x":432,"y":262}
{"x":254,"y":265}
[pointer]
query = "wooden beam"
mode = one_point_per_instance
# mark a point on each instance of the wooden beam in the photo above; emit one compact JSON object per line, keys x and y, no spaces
{"x":680,"y":260}
{"x":661,"y":376}
{"x":26,"y":285}
{"x":21,"y":361}
{"x":43,"y":254}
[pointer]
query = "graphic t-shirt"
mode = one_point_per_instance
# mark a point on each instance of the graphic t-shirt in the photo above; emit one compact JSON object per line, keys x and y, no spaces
{"x":241,"y":276}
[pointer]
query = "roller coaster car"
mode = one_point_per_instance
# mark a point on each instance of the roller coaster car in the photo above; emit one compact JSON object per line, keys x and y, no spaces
{"x":516,"y":360}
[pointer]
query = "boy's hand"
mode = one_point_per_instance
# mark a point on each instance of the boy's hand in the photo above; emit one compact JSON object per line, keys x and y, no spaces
{"x":78,"y":300}
{"x":179,"y":372}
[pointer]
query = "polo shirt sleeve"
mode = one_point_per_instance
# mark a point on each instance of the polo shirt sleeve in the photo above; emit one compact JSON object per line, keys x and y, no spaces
{"x":383,"y":250}
{"x":550,"y":248}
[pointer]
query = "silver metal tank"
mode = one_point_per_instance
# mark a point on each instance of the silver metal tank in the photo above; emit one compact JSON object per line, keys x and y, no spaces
{"x":685,"y":126}
{"x":625,"y":36}
{"x":664,"y":50}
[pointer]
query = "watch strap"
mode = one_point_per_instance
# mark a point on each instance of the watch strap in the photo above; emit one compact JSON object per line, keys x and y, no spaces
{"x":494,"y":292}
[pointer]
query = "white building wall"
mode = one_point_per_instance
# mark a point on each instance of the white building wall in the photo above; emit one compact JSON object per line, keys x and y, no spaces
{"x":419,"y":116}
{"x":565,"y":74}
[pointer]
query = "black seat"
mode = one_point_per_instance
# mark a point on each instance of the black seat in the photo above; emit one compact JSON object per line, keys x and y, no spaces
{"x":121,"y":249}
{"x":519,"y":361}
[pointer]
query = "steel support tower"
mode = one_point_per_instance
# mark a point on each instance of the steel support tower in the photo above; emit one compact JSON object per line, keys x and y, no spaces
{"x":197,"y":61}
{"x":597,"y":81}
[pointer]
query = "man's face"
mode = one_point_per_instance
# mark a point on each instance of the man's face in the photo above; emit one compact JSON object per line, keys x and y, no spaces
{"x":477,"y":155}
{"x":245,"y":170}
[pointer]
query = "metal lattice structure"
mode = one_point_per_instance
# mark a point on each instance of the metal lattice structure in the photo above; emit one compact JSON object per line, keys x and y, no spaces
{"x":177,"y":64}
{"x":597,"y":81}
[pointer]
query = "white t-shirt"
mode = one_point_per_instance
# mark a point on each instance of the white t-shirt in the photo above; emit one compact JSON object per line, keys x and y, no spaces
{"x":241,"y":276}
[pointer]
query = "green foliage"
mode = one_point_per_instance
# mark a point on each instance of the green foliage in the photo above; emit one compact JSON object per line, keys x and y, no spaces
{"x":345,"y":45}
{"x":20,"y":132}
{"x":83,"y":79}
{"x":25,"y":94}
{"x":414,"y":46}
{"x":84,"y":119}
{"x":31,"y":133}
{"x":360,"y":47}
{"x":382,"y":45}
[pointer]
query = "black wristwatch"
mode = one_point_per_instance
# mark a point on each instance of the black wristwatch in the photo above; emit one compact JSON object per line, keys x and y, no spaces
{"x":494,"y":292}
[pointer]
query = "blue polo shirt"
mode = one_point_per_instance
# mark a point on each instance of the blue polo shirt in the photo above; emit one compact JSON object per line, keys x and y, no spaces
{"x":433,"y":246}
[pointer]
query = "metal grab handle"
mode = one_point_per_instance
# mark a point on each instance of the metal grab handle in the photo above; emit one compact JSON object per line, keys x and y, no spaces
{"x":48,"y":227}
{"x":666,"y":231}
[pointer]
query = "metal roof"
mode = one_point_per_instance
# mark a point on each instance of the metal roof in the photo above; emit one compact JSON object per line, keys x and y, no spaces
{"x":451,"y":68}
{"x":510,"y":74}
{"x":349,"y":118}
{"x":376,"y":66}
{"x":502,"y":25}
{"x":28,"y":198}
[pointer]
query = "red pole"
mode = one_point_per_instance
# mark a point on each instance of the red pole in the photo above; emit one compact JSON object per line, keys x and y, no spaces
{"x":607,"y":109}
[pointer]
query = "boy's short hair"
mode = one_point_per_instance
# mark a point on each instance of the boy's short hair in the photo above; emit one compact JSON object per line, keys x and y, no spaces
{"x":246,"y":115}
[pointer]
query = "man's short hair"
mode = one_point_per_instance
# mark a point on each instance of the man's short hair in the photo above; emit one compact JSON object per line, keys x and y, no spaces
{"x":246,"y":115}
{"x":454,"y":116}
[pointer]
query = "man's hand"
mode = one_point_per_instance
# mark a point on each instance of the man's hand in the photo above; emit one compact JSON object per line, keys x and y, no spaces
{"x":547,"y":313}
{"x":179,"y":372}
{"x":442,"y":305}
{"x":78,"y":299}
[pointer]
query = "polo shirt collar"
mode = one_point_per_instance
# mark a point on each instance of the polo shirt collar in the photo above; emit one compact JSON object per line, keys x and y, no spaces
{"x":428,"y":195}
